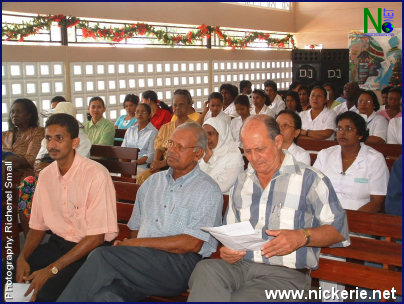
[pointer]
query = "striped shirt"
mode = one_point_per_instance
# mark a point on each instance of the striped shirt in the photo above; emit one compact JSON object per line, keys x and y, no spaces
{"x":298,"y":196}
{"x":166,"y":207}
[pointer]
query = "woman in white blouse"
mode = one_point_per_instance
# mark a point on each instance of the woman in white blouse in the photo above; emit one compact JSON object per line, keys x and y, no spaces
{"x":260,"y":101}
{"x":318,"y":122}
{"x":222,"y":160}
{"x":358,"y":173}
{"x":368,"y":105}
{"x":290,"y":125}
{"x":141,"y":136}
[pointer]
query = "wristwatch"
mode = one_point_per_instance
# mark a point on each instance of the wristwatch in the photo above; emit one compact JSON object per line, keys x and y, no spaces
{"x":54,"y":269}
{"x":307,"y":235}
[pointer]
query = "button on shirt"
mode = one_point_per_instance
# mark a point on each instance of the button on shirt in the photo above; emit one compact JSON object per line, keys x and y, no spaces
{"x":166,"y":207}
{"x":297,"y":197}
{"x":82,"y":202}
{"x":143,"y":140}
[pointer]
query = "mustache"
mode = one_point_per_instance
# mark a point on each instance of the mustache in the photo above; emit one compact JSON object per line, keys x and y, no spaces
{"x":53,"y":150}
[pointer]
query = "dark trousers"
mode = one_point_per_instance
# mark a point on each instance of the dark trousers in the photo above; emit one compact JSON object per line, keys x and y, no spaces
{"x":119,"y":274}
{"x":47,"y":254}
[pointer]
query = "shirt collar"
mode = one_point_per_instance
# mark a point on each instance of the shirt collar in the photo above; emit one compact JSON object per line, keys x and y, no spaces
{"x":70,"y":173}
{"x":183,"y":179}
{"x":92,"y":124}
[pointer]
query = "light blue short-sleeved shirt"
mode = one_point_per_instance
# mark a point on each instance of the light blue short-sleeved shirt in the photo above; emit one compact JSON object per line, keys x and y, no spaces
{"x":167,"y":207}
{"x":143,"y":140}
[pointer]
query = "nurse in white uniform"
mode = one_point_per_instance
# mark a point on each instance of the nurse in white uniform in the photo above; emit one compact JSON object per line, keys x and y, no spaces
{"x":368,"y":105}
{"x":290,"y":125}
{"x":358,"y":173}
{"x":318,"y":122}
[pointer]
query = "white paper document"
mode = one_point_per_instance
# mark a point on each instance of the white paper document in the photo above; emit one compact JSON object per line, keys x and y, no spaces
{"x":238,"y":236}
{"x":16,"y":293}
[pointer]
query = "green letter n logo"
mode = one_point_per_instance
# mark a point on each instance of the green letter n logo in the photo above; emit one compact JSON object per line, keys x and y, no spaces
{"x":367,"y":14}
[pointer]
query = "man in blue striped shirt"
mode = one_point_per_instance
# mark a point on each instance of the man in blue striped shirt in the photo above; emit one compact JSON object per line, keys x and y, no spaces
{"x":292,"y":205}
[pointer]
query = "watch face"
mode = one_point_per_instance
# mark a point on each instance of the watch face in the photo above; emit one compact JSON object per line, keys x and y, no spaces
{"x":54,"y":270}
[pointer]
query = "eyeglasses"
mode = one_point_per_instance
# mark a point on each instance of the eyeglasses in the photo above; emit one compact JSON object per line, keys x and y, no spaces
{"x":285,"y":126}
{"x":179,"y":147}
{"x":58,"y":138}
{"x":364,"y":101}
{"x":346,"y":130}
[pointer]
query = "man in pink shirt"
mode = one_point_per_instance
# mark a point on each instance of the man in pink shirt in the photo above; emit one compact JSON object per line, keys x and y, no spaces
{"x":75,"y":199}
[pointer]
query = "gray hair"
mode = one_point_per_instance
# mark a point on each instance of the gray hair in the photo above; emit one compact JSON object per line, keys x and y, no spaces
{"x":269,"y":122}
{"x":201,"y":137}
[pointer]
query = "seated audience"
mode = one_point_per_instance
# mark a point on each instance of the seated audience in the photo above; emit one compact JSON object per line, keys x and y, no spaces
{"x":229,"y":93}
{"x":296,"y":215}
{"x":214,"y":108}
{"x":394,"y":131}
{"x":358,"y":173}
{"x":384,"y":93}
{"x":260,"y":101}
{"x":55,"y":100}
{"x":276,"y":103}
{"x":351,"y":94}
{"x":222,"y":160}
{"x":331,"y":102}
{"x":318,"y":122}
{"x":99,"y":130}
{"x":166,"y":238}
{"x":295,"y":86}
{"x":127,"y":120}
{"x":394,"y":197}
{"x":393,"y":108}
{"x":159,"y":116}
{"x":75,"y":200}
{"x":243,"y":110}
{"x":21,"y":143}
{"x":368,"y":105}
{"x":192,"y":114}
{"x":304,"y":93}
{"x":142,"y":136}
{"x":159,"y":162}
{"x":246,"y":89}
{"x":293,"y":102}
{"x":290,"y":125}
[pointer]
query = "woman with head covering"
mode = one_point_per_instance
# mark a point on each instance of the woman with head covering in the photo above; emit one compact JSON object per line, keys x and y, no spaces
{"x":223,"y":160}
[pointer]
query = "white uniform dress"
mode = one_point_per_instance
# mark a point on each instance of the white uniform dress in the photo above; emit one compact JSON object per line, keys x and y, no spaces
{"x":394,"y":131}
{"x":231,"y":110}
{"x":221,"y":115}
{"x":277,"y":105}
{"x":235,"y":127}
{"x":299,"y":154}
{"x":377,"y":125}
{"x":368,"y":175}
{"x":341,"y":108}
{"x":324,"y":121}
{"x":265,"y":110}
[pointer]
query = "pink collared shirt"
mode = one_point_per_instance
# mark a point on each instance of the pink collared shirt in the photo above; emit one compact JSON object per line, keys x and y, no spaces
{"x":80,"y":203}
{"x":385,"y":115}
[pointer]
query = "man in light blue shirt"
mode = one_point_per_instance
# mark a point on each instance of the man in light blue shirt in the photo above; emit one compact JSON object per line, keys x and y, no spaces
{"x":166,"y":241}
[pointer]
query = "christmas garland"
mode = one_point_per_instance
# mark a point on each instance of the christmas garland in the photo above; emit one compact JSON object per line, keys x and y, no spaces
{"x":116,"y":35}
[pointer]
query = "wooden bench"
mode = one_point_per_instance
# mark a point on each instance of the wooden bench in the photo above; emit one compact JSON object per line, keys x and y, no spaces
{"x":391,"y":152}
{"x":117,"y":160}
{"x":119,"y":133}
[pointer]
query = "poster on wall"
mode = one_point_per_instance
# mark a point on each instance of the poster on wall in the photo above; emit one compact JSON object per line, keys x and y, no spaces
{"x":375,"y":60}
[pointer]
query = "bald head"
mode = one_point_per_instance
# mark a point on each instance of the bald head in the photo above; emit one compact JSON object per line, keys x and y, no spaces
{"x":197,"y":132}
{"x":261,"y":123}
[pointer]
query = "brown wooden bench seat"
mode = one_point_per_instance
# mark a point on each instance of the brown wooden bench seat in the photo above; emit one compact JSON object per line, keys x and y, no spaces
{"x":117,"y":160}
{"x":119,"y":133}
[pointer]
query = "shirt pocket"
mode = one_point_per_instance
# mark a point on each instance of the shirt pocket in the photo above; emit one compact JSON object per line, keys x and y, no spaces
{"x":180,"y":218}
{"x":283,"y":217}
